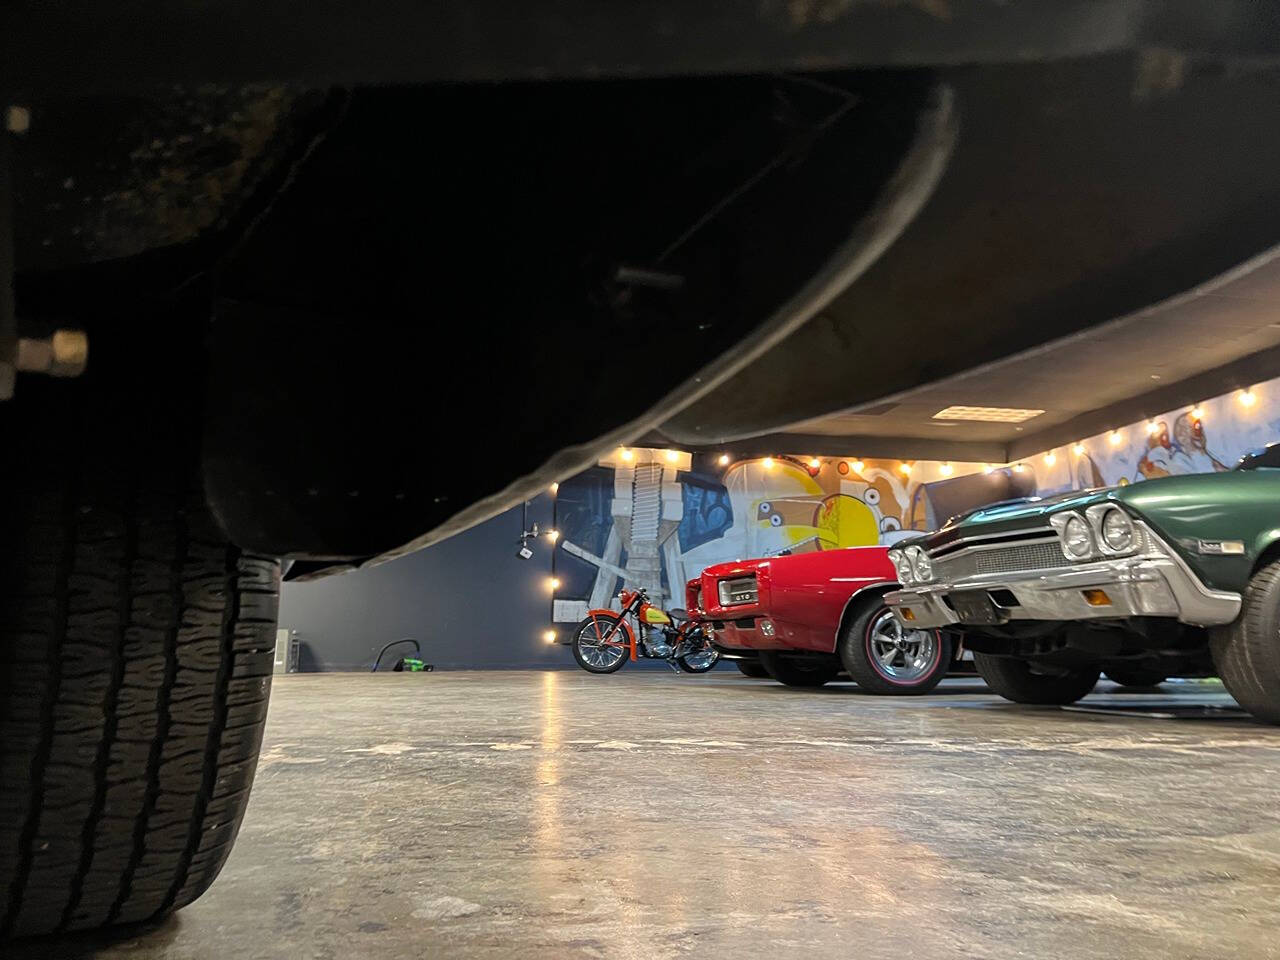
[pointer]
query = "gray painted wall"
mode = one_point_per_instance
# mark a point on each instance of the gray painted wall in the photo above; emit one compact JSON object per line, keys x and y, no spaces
{"x":470,"y":601}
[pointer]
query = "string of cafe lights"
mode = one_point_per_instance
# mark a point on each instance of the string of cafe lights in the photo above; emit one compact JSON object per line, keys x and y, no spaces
{"x":1247,"y":397}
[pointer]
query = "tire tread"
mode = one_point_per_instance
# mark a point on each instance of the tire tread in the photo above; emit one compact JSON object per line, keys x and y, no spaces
{"x":135,"y":664}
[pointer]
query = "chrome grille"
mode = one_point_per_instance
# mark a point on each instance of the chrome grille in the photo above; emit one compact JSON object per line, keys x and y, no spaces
{"x":1009,"y":558}
{"x":1039,"y":551}
{"x":1021,"y":556}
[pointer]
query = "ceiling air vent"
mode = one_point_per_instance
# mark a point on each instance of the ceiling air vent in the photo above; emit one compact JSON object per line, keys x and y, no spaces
{"x":987,"y":414}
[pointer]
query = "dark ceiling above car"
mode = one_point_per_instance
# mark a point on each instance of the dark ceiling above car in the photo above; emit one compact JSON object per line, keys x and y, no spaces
{"x":1220,"y":336}
{"x":1064,"y":206}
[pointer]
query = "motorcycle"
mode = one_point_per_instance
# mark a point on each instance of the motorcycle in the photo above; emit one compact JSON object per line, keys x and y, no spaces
{"x":606,"y":639}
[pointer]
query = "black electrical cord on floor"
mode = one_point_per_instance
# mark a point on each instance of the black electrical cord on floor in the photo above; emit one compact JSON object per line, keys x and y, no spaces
{"x":417,"y":648}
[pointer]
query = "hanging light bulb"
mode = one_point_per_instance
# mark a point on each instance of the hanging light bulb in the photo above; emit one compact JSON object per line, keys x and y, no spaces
{"x":1115,"y":438}
{"x":905,"y":468}
{"x":1050,"y":459}
{"x":814,"y":463}
{"x":672,"y":456}
{"x":1078,"y":449}
{"x":1152,"y":427}
{"x":768,"y":463}
{"x":946,"y":469}
{"x":858,"y":466}
{"x":1197,"y":412}
{"x":724,"y":459}
{"x":1019,"y":468}
{"x":1248,"y":397}
{"x":555,"y":487}
{"x":553,"y":584}
{"x":987,"y":468}
{"x":627,"y":455}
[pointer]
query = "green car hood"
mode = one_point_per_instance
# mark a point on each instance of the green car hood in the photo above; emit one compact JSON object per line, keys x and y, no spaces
{"x":1239,"y":505}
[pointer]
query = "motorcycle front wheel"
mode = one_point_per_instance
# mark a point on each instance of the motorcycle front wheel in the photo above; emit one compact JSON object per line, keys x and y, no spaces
{"x":590,"y":648}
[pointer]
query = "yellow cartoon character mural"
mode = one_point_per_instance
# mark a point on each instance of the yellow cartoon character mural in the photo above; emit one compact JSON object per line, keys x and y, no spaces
{"x":780,"y":497}
{"x":801,"y":515}
{"x":845,"y":521}
{"x":885,"y":497}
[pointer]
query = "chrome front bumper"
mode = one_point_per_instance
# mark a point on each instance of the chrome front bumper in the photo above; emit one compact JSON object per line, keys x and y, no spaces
{"x":1144,"y":586}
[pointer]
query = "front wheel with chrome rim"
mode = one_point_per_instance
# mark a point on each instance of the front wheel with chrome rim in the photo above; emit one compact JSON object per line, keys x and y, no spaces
{"x":601,"y":644}
{"x":699,"y":655}
{"x":882,"y":656}
{"x":700,"y":661}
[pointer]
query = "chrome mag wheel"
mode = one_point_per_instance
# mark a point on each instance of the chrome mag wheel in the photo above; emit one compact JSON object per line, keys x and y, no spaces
{"x":901,"y":655}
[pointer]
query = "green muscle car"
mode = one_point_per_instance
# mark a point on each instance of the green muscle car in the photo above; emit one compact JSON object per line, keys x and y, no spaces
{"x":1178,"y":576}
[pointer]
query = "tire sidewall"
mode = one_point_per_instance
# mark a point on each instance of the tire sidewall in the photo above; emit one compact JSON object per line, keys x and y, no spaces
{"x":1246,"y":652}
{"x":861,"y":665}
{"x":577,"y":651}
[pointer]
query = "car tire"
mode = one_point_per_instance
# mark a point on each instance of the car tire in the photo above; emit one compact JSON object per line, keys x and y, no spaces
{"x":1014,"y":680}
{"x":860,"y":635}
{"x":136,"y":652}
{"x":1246,"y":652}
{"x":1136,"y":677}
{"x":798,"y":671}
{"x":753,"y":669}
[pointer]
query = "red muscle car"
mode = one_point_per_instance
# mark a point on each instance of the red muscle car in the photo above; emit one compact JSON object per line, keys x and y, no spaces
{"x":805,"y":618}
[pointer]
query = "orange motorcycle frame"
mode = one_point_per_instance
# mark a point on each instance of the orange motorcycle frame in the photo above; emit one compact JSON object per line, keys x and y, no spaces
{"x":623,"y":625}
{"x":627,"y":598}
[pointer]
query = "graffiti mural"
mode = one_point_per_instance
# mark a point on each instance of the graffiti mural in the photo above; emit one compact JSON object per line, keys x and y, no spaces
{"x":1211,"y":436}
{"x":654,"y":518}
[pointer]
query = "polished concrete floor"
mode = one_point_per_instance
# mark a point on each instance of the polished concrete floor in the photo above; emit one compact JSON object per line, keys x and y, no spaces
{"x":649,"y":816}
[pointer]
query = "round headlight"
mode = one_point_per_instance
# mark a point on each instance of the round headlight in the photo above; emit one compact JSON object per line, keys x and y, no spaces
{"x":921,"y":565}
{"x":1117,"y":531}
{"x":903,"y":567}
{"x":1077,"y":541}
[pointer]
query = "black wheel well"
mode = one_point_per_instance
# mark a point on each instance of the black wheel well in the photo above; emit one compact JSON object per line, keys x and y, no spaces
{"x":857,"y":603}
{"x":1268,"y":556}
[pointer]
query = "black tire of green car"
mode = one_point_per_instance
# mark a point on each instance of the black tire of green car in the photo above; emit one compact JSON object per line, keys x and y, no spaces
{"x":1015,"y":680}
{"x":753,"y":669}
{"x":136,"y":650}
{"x":1246,"y":652}
{"x":799,"y":671}
{"x":1133,"y":677}
{"x":612,"y":666}
{"x":856,"y":654}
